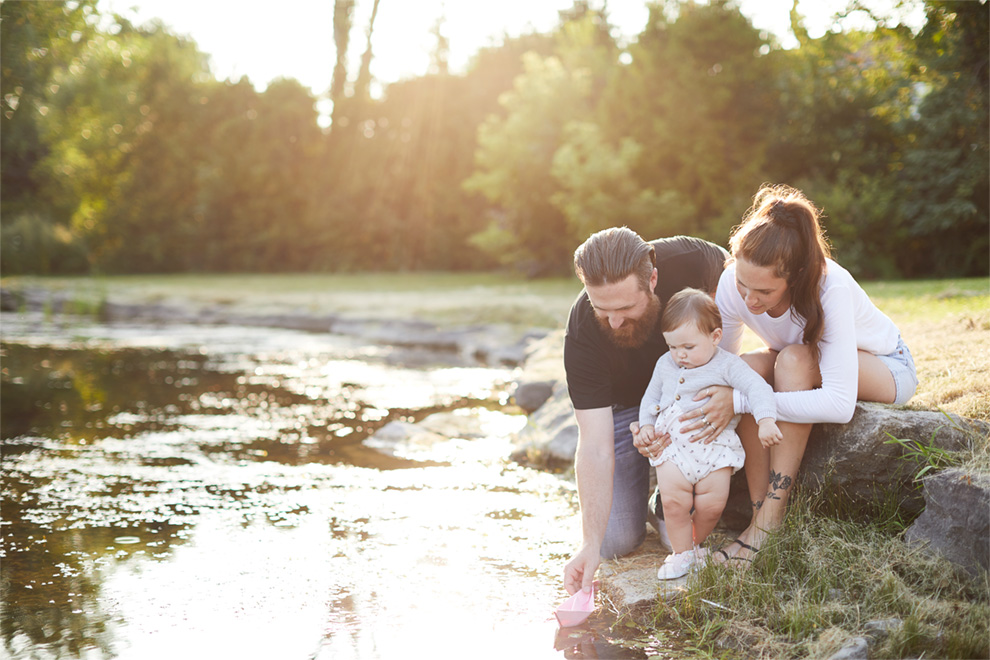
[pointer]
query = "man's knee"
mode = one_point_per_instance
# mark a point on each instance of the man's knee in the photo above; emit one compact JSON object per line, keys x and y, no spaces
{"x":619,"y":545}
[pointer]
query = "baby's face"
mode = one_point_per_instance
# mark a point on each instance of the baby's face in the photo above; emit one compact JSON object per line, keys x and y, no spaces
{"x":690,"y":347}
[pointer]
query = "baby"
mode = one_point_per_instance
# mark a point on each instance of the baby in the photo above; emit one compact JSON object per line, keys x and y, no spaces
{"x":694,"y":475}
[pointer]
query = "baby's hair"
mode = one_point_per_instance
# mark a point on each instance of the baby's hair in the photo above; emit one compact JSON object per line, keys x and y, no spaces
{"x":691,"y":306}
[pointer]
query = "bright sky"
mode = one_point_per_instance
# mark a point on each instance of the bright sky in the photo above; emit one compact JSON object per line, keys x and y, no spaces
{"x":294,"y":38}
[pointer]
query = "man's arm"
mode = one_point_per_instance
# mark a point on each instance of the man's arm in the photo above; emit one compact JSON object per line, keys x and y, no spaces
{"x":594,"y":465}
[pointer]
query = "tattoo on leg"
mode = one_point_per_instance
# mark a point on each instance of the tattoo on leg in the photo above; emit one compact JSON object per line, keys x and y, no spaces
{"x":757,"y":505}
{"x":778,"y":481}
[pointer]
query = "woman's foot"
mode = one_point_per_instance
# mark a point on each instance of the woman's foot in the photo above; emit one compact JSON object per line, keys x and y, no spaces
{"x":743,"y":548}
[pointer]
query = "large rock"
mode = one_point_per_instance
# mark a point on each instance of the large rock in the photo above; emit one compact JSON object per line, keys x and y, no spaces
{"x":542,"y":369}
{"x":956,"y":520}
{"x":549,"y":439}
{"x":862,"y":463}
{"x":630,"y":586}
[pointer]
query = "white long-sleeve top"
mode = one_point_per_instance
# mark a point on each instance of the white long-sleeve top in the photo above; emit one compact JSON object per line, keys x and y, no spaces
{"x":852,"y":323}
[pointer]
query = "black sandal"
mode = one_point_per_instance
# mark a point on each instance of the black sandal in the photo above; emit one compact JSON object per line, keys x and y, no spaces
{"x":742,"y":544}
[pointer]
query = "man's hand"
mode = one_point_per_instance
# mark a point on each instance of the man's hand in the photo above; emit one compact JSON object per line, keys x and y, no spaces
{"x":580,"y":570}
{"x":711,"y":418}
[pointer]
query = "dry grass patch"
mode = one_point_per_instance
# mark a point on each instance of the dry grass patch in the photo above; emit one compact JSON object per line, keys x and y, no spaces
{"x":946,"y":324}
{"x":953,"y":360}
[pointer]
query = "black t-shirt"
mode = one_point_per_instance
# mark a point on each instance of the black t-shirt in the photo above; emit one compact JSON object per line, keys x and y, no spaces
{"x":599,"y":373}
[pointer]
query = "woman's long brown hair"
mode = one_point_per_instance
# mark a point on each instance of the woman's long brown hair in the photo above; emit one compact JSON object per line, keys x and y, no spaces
{"x":782,"y":231}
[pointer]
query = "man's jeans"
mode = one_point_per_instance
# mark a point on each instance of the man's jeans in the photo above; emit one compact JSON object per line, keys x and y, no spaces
{"x":630,"y":489}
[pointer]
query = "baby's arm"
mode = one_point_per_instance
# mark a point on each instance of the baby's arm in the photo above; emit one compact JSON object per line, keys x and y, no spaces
{"x":649,"y":407}
{"x":742,"y":377}
{"x":769,"y":433}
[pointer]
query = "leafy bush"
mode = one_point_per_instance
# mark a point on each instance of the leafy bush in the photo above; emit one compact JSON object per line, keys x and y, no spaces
{"x":33,"y":245}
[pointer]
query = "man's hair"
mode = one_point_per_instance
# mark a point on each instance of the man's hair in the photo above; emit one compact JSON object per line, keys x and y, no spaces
{"x":611,"y":255}
{"x":691,"y":306}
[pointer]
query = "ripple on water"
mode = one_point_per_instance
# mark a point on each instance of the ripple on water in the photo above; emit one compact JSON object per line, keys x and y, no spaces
{"x":162,"y":491}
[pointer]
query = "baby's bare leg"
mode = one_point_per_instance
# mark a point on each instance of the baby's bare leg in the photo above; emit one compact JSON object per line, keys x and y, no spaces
{"x":677,"y":496}
{"x":710,"y":495}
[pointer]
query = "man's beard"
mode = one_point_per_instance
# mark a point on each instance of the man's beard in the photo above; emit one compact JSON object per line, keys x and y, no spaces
{"x":634,"y":333}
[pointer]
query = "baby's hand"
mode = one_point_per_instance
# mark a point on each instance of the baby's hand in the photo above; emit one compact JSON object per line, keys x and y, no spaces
{"x":643,"y":438}
{"x":770,"y":435}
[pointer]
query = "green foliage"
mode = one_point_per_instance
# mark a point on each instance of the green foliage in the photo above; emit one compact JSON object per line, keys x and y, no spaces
{"x":597,"y":188}
{"x":413,"y":214}
{"x":36,"y":39}
{"x":32,"y":244}
{"x":860,"y":218}
{"x":947,"y":215}
{"x":694,"y":96}
{"x":514,"y":160}
{"x":118,"y":143}
{"x":928,"y":455}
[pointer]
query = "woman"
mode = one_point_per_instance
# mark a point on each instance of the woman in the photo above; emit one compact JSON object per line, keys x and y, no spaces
{"x":827,"y":346}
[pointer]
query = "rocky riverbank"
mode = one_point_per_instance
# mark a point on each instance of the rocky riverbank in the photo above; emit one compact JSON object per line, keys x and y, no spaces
{"x":493,"y":344}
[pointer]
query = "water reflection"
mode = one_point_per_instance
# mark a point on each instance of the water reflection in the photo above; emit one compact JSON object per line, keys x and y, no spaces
{"x":219,"y":497}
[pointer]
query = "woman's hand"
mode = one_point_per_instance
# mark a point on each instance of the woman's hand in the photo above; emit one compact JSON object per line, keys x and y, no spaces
{"x":712,"y":417}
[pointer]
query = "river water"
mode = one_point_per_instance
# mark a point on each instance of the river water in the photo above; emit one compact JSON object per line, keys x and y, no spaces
{"x":204,"y":492}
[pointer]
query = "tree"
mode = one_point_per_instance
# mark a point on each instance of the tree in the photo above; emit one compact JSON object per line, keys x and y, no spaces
{"x":513,"y":164}
{"x":599,"y":190}
{"x":343,"y":18}
{"x":843,"y":99}
{"x":945,"y":183}
{"x":695,"y":97}
{"x":516,"y":152}
{"x":123,"y":135}
{"x":36,"y":39}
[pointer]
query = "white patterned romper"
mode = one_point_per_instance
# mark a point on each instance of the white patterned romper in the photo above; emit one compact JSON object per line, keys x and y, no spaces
{"x":671,"y":393}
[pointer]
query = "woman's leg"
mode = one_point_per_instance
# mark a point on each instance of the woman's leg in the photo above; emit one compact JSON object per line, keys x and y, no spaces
{"x":710,"y":495}
{"x":757,"y":466}
{"x":876,"y":383}
{"x":794,"y":370}
{"x":770,"y":474}
{"x":677,"y":495}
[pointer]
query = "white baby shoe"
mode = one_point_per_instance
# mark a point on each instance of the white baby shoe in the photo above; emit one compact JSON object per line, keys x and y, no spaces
{"x":678,"y":565}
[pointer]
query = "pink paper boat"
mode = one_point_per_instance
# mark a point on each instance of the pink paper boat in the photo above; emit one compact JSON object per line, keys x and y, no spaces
{"x":577,"y":608}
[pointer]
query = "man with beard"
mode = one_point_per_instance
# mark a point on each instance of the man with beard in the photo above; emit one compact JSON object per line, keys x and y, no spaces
{"x":611,"y":345}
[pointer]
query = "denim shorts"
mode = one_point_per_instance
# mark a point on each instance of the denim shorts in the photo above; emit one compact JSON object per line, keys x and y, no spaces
{"x":902,"y":368}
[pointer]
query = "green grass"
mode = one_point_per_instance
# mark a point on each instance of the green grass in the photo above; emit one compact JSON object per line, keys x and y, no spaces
{"x":920,"y":299}
{"x":906,"y":300}
{"x":819,"y":581}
